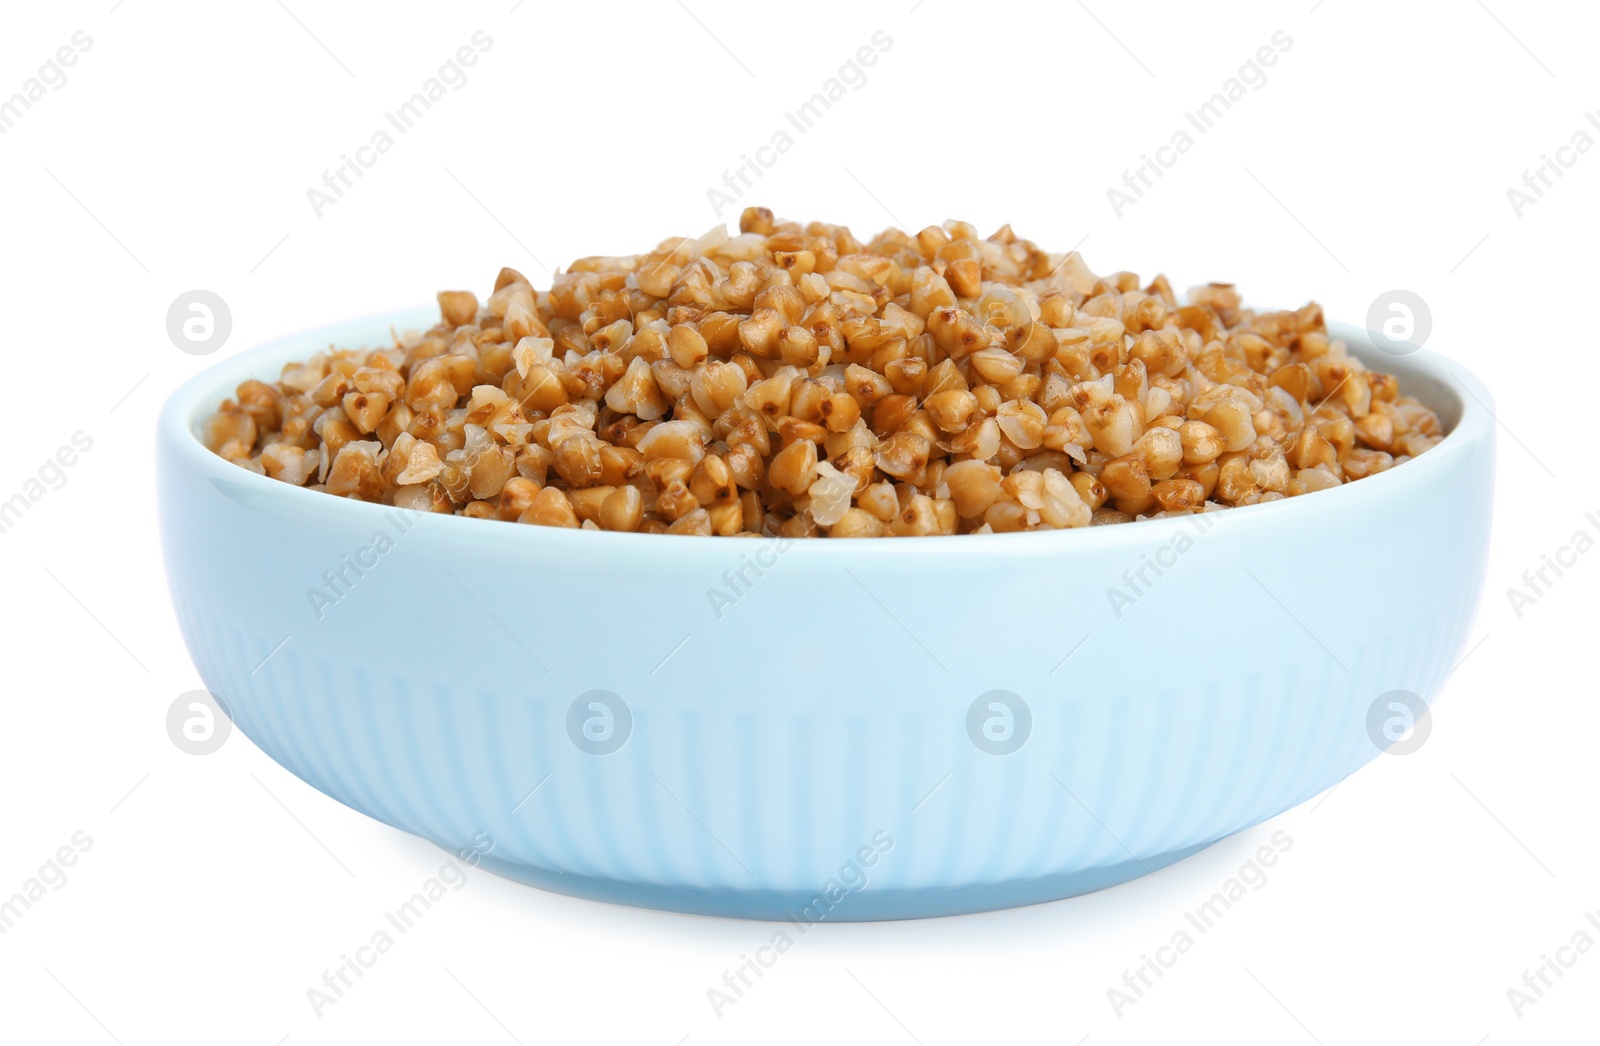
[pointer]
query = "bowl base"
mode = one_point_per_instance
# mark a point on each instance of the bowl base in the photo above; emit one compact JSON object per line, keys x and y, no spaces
{"x":807,"y":909}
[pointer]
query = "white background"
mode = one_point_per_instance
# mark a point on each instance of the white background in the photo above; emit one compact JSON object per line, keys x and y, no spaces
{"x":177,"y":156}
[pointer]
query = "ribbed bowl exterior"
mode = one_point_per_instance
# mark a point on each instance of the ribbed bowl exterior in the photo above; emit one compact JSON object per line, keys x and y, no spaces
{"x":809,"y":730}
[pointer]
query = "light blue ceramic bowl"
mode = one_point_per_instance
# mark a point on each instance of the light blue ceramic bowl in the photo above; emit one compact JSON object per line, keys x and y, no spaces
{"x":864,"y":729}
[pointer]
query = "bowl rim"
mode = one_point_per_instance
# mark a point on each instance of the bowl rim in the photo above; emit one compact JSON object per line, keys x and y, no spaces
{"x":178,"y":441}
